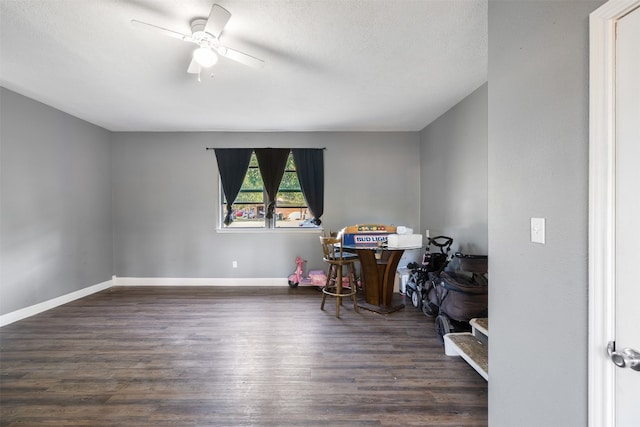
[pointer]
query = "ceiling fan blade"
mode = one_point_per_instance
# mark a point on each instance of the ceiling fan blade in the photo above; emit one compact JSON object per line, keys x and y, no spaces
{"x":194,"y":67}
{"x":161,"y":30}
{"x":240,"y":57}
{"x":218,"y":18}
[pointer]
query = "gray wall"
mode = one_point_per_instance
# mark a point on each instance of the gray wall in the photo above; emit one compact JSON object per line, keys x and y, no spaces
{"x":165,"y":200}
{"x":453,"y":175}
{"x":55,"y":209}
{"x":538,"y":167}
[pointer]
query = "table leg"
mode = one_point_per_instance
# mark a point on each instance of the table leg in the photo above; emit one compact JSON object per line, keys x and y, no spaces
{"x":378,"y":281}
{"x":389,"y":277}
{"x":369,"y":275}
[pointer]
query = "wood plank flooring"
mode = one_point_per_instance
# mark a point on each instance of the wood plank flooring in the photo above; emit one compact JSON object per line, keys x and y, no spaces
{"x":221,"y":356}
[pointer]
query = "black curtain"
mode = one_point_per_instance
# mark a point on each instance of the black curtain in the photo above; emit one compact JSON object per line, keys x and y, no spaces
{"x":272,"y":163}
{"x":232,"y":164}
{"x":310,"y":169}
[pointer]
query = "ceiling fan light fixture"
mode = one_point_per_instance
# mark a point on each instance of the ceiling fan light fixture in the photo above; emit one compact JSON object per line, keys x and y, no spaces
{"x":205,"y":57}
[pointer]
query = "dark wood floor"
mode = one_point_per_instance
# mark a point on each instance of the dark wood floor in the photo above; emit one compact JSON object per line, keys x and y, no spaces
{"x":207,"y":356}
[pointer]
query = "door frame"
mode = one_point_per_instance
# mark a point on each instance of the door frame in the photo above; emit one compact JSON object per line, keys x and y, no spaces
{"x":602,"y":168}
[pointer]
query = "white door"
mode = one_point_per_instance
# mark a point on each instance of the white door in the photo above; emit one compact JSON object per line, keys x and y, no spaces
{"x":627,"y":208}
{"x":614,"y":214}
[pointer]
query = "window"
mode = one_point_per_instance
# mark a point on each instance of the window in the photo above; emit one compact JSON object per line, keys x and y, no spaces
{"x":250,"y":207}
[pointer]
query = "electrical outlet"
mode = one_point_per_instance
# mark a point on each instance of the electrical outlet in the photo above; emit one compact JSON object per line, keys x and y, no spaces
{"x":234,"y":264}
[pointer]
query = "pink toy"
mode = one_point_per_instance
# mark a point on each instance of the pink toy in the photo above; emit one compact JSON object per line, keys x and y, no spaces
{"x":297,"y":277}
{"x":316,"y":277}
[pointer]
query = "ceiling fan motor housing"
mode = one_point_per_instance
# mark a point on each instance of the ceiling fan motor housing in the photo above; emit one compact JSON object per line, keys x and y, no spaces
{"x":197,"y":31}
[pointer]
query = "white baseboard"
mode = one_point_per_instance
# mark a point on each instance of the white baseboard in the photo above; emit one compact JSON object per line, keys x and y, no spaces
{"x":199,"y":281}
{"x":23,"y":313}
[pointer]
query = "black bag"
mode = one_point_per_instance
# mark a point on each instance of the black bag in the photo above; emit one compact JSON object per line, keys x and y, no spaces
{"x":462,"y":297}
{"x":434,"y":261}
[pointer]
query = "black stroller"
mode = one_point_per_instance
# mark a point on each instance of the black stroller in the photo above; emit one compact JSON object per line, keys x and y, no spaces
{"x":422,"y":277}
{"x":457,"y":297}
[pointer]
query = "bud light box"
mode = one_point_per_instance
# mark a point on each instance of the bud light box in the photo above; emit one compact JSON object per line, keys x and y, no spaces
{"x":367,"y":235}
{"x":367,"y":239}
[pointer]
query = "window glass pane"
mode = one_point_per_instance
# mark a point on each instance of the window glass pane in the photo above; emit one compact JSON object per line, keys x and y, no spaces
{"x":289,"y":187}
{"x":252,"y":180}
{"x":247,"y":215}
{"x":291,"y":166}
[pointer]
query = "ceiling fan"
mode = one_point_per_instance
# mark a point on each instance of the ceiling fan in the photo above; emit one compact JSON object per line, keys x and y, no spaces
{"x":205,"y":32}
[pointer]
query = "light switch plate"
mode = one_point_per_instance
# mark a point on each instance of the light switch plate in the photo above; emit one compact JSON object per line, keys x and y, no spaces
{"x":537,"y":230}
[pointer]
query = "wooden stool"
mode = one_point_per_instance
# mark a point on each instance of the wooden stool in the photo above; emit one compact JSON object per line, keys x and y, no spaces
{"x":332,"y":253}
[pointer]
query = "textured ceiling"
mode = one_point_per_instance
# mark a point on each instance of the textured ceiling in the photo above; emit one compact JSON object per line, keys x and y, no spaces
{"x":343,"y":65}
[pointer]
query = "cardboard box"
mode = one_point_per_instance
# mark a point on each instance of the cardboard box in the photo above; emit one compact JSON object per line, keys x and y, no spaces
{"x":404,"y":240}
